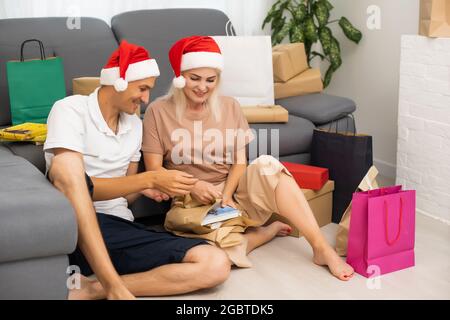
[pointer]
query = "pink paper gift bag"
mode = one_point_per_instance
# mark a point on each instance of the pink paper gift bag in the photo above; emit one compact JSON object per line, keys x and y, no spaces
{"x":382,"y":231}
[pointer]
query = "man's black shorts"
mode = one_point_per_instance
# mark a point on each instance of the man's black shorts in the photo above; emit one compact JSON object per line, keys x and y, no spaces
{"x":133,"y":248}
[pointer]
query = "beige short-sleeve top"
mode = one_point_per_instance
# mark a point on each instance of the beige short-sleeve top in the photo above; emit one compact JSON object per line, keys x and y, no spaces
{"x":198,"y":144}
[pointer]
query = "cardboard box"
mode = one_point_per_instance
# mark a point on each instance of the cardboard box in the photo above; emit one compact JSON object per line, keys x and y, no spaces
{"x":321,"y":203}
{"x":265,"y":114}
{"x":434,"y":18}
{"x":308,"y":177}
{"x":288,"y":61}
{"x":306,"y":82}
{"x":86,"y":85}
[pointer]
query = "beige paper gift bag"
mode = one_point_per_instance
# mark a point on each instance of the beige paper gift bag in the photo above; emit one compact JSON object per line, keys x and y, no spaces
{"x":434,"y":18}
{"x":186,"y":215}
{"x":86,"y":85}
{"x":369,"y":182}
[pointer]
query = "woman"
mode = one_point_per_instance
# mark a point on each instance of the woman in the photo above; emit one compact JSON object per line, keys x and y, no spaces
{"x":176,"y":128}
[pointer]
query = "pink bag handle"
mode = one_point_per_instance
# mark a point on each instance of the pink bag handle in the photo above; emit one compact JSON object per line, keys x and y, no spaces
{"x":389,"y":242}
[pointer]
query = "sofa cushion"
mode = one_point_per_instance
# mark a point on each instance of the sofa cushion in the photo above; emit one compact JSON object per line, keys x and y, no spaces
{"x":84,"y":51}
{"x":294,"y":136}
{"x":157,"y":30}
{"x":28,"y":151}
{"x":37,"y":220}
{"x":344,"y":124}
{"x":319,"y":108}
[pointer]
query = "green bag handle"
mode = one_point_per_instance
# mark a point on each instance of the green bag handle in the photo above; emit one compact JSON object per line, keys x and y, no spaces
{"x":41,"y":48}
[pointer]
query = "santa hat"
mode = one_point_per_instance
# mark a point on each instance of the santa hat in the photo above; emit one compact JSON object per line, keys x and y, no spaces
{"x":194,"y":52}
{"x":127,"y":63}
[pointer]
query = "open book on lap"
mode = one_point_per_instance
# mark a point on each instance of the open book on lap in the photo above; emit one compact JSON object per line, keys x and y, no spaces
{"x":217,"y":214}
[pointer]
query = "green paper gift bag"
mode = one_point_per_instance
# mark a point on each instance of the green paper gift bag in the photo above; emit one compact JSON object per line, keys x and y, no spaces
{"x":34,"y":86}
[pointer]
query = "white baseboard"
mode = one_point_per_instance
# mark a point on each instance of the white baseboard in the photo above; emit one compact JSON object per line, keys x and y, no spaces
{"x":385,"y":168}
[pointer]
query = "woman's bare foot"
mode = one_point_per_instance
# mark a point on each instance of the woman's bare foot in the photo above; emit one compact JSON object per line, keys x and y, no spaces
{"x":89,"y":290}
{"x":338,"y":267}
{"x":261,"y":235}
{"x":277,"y":228}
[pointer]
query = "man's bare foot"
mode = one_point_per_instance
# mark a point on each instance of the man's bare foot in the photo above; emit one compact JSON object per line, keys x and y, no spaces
{"x":338,"y":267}
{"x":89,"y":290}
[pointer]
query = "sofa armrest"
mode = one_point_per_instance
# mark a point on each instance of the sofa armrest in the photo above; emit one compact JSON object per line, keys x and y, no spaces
{"x":319,"y":108}
{"x":36,"y":219}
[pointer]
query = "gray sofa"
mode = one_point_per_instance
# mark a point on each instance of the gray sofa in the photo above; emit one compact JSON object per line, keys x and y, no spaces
{"x":38,"y":228}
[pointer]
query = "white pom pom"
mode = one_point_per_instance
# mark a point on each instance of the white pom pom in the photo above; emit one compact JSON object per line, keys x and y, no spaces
{"x":179,"y":82}
{"x":120,"y":85}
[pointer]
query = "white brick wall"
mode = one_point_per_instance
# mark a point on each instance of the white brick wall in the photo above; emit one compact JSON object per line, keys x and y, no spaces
{"x":423,"y":147}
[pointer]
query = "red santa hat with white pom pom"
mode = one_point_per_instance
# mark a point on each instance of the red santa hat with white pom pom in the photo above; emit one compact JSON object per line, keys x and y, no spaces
{"x":128,"y":63}
{"x":194,"y":52}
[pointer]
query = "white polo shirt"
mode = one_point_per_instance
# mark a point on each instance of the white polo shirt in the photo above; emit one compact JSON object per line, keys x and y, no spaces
{"x":76,"y":123}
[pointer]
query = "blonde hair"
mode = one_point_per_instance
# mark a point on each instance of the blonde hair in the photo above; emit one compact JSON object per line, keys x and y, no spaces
{"x":177,"y":96}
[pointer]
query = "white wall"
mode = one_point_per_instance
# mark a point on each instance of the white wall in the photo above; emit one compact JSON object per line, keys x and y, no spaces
{"x":423,"y":153}
{"x":247,"y":16}
{"x":370,"y":71}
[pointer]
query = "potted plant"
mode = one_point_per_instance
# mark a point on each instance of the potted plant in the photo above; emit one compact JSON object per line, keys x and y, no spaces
{"x":307,"y":21}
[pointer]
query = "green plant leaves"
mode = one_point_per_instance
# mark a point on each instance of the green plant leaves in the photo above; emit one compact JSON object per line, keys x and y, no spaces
{"x":328,"y":76}
{"x":307,"y":23}
{"x":335,"y":61}
{"x":328,"y":4}
{"x":349,"y":30}
{"x":296,"y":33}
{"x":325,"y":37}
{"x":277,"y":38}
{"x":300,"y":13}
{"x":321,"y":12}
{"x":310,"y":29}
{"x":315,"y":53}
{"x":335,"y":54}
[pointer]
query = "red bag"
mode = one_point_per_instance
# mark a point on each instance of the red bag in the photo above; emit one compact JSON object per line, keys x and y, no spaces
{"x":307,"y":177}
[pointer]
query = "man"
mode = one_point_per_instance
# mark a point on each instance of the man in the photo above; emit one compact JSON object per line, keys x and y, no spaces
{"x":92,"y":152}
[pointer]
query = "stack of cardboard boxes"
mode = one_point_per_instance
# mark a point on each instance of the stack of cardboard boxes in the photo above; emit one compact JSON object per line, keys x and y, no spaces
{"x":291,"y":72}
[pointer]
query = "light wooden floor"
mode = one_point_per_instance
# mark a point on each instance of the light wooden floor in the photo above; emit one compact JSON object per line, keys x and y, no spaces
{"x":282,"y":269}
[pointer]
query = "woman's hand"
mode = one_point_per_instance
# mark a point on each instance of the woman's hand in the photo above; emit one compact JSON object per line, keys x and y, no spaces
{"x":205,"y":192}
{"x":156,"y":195}
{"x":228,"y":201}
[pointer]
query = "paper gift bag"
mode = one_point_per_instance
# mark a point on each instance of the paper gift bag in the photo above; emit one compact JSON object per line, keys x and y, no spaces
{"x":308,"y":81}
{"x":34,"y":86}
{"x":382,"y":231}
{"x":369,"y":182}
{"x":288,"y":61}
{"x":434,"y":18}
{"x":86,"y":85}
{"x":185,"y":218}
{"x":247,"y":74}
{"x":348,"y":156}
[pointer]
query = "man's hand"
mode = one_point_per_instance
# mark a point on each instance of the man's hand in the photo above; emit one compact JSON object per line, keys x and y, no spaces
{"x":173,"y":182}
{"x":205,"y":192}
{"x":156,"y":195}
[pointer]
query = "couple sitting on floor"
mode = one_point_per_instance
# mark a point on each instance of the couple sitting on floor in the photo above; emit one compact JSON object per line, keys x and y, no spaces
{"x":92,"y":152}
